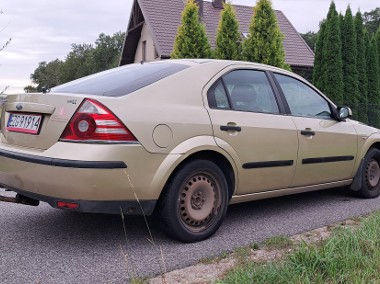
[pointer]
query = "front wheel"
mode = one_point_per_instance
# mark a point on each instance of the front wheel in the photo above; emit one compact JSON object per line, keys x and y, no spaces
{"x":370,"y":187}
{"x":194,"y":202}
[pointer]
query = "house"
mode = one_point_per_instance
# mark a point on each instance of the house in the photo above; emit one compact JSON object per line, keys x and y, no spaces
{"x":153,"y":26}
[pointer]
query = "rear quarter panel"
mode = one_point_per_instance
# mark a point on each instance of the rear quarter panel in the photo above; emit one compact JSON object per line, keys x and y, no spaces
{"x":174,"y":102}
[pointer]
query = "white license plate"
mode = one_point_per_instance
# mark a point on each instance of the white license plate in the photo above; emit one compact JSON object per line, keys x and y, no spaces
{"x":25,"y":123}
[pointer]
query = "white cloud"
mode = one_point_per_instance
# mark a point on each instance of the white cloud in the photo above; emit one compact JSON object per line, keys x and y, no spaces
{"x":44,"y":30}
{"x":9,"y":55}
{"x":14,"y":86}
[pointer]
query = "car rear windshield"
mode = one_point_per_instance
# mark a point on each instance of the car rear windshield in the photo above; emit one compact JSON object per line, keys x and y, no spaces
{"x":122,"y":80}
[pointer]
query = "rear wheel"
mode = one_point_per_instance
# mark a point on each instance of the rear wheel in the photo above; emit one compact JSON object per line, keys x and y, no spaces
{"x":194,"y":201}
{"x":371,"y":175}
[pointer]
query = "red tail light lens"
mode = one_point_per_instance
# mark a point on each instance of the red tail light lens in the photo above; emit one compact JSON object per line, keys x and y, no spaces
{"x":67,"y":205}
{"x":94,"y":122}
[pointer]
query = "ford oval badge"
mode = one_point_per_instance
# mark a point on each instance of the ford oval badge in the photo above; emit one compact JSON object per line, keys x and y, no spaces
{"x":19,"y":106}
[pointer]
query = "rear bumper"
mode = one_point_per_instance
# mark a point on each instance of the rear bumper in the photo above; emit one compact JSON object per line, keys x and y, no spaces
{"x":128,"y":207}
{"x":62,"y":162}
{"x":96,"y":177}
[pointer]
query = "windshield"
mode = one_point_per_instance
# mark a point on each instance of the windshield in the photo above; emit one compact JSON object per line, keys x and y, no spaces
{"x":122,"y":80}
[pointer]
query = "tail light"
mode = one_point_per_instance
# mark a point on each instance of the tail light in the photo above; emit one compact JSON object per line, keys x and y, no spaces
{"x":93,"y":122}
{"x":67,"y":205}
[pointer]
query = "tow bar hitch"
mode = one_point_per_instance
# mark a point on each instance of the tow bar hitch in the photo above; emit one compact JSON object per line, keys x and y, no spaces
{"x":21,"y":199}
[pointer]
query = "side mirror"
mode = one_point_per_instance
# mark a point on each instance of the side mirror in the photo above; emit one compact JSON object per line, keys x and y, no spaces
{"x":343,"y":113}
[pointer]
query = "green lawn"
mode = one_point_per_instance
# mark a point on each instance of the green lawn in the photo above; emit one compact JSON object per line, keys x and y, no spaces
{"x":348,"y":256}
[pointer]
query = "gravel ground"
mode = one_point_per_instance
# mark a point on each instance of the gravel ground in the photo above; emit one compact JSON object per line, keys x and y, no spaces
{"x":46,"y":245}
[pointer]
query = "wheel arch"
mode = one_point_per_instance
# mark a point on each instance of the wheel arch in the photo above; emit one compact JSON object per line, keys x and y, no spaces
{"x":221,"y":161}
{"x":211,"y":155}
{"x":357,"y":181}
{"x":375,"y":145}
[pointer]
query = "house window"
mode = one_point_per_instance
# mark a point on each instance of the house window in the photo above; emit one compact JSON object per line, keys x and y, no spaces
{"x":144,"y":50}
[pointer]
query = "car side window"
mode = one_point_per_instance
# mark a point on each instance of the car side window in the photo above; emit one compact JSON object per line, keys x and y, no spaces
{"x":217,"y":96}
{"x":302,"y":99}
{"x":243,"y":90}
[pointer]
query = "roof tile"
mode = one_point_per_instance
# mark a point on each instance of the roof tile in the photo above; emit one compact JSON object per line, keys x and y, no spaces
{"x":164,"y":17}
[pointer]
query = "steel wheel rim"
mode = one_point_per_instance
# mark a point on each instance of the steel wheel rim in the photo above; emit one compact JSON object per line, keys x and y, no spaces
{"x":199,"y":202}
{"x":372,"y":174}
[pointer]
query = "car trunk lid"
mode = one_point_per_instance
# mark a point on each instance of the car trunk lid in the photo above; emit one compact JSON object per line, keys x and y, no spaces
{"x":36,"y":120}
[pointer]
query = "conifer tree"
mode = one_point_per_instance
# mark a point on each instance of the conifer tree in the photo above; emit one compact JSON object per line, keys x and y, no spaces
{"x":373,"y":73}
{"x":341,"y":21}
{"x":332,"y":57}
{"x":367,"y":41}
{"x":349,"y":56}
{"x":228,"y":38}
{"x":377,"y":40}
{"x":318,"y":70}
{"x":264,"y":43}
{"x":361,"y":66}
{"x":191,"y":40}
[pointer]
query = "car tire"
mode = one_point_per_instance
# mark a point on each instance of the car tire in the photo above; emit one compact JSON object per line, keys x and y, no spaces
{"x":194,"y":202}
{"x":370,"y":187}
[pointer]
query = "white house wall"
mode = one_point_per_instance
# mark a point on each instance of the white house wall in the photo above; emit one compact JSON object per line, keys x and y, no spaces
{"x":150,"y":49}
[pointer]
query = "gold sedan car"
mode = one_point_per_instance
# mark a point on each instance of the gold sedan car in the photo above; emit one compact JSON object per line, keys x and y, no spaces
{"x":182,"y":139}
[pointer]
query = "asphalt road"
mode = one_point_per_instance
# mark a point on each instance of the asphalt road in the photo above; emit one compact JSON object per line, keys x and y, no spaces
{"x":45,"y":245}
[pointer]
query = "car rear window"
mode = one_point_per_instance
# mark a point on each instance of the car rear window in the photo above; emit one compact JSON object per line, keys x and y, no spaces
{"x":122,"y":80}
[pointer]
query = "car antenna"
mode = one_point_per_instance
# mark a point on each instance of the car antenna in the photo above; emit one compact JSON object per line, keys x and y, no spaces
{"x":45,"y":89}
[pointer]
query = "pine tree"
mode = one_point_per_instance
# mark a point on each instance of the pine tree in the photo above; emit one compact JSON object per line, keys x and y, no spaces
{"x":367,"y":40}
{"x":361,"y":66}
{"x":377,"y":39}
{"x":341,"y":21}
{"x":264,"y":43}
{"x":332,"y":57}
{"x":191,"y":40}
{"x":373,"y":72}
{"x":228,"y":38}
{"x":318,"y":70}
{"x":349,"y":55}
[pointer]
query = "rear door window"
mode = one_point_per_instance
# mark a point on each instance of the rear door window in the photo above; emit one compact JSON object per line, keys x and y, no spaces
{"x":243,"y":90}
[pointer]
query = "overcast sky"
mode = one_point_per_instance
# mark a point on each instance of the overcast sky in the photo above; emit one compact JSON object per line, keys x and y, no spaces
{"x":43,"y":30}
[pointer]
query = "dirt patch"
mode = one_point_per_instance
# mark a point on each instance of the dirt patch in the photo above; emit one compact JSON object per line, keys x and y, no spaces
{"x":215,"y":269}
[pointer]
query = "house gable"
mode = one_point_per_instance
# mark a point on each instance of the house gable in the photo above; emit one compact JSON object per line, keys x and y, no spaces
{"x":163,"y":18}
{"x":146,"y":50}
{"x":136,"y":23}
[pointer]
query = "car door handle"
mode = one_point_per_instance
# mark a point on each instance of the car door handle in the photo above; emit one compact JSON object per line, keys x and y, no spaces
{"x":230,"y":128}
{"x":307,"y":132}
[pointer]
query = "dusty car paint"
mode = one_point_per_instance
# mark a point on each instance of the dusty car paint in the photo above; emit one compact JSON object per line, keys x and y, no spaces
{"x":261,"y":154}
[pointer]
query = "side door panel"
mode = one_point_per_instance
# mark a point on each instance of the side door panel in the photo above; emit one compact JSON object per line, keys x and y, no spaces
{"x":327,"y":148}
{"x":328,"y":155}
{"x":246,"y":117}
{"x":266,"y":147}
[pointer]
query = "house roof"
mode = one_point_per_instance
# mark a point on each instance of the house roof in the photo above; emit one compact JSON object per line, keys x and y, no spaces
{"x":164,"y":17}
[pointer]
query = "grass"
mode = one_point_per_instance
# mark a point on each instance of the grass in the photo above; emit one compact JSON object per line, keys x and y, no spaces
{"x":278,"y":242}
{"x":348,"y":256}
{"x":138,"y":281}
{"x":211,"y":260}
{"x":242,"y":254}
